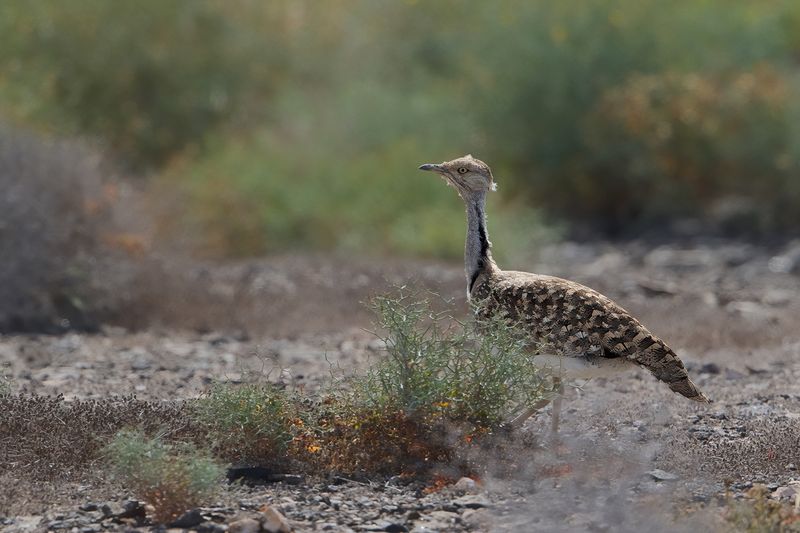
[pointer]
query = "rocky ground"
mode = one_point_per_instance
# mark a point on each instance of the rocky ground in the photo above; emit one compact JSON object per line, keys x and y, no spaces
{"x":630,"y":454}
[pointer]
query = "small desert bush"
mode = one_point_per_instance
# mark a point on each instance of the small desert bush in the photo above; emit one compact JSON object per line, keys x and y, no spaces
{"x":671,"y":143}
{"x":172,"y":478}
{"x":251,"y":423}
{"x":632,"y":112}
{"x":52,"y":209}
{"x":441,"y":387}
{"x":480,"y":371}
{"x":68,"y":260}
{"x":150,"y":80}
{"x":759,"y":513}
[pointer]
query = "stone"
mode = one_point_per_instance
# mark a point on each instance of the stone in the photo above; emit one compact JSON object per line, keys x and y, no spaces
{"x":700,"y":433}
{"x":683,"y":259}
{"x":385,"y":525}
{"x":471,"y":501}
{"x":189,"y":519}
{"x":140,"y":364}
{"x":473,"y":517}
{"x":752,"y":310}
{"x":245,"y":525}
{"x":788,"y":262}
{"x":257,"y":475}
{"x":132,"y":509}
{"x":428,"y":528}
{"x":334,"y":528}
{"x":710,"y":368}
{"x":789,"y":492}
{"x":661,"y":475}
{"x":88,"y":507}
{"x":465,"y":484}
{"x":24,"y":523}
{"x":210,"y":527}
{"x":733,"y":374}
{"x":447,"y":517}
{"x":379,"y":526}
{"x":272,"y":521}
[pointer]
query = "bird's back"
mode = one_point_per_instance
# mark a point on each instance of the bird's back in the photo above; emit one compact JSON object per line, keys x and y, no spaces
{"x":577,"y":321}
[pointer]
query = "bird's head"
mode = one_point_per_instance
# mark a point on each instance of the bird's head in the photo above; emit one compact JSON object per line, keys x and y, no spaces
{"x":468,"y":175}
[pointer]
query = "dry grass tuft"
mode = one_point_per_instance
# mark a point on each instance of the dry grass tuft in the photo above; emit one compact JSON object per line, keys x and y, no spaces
{"x":51,"y":438}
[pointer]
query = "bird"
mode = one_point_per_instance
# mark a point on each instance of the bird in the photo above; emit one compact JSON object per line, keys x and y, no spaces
{"x":581,"y":333}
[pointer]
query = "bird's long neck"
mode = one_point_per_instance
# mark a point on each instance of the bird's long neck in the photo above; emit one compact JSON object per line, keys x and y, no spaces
{"x":477,"y":251}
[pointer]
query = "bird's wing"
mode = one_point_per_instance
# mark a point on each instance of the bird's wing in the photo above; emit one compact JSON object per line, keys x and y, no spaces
{"x":578,"y":320}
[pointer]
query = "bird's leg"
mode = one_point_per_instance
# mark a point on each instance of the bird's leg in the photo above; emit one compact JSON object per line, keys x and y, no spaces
{"x":520,"y":419}
{"x":559,"y":388}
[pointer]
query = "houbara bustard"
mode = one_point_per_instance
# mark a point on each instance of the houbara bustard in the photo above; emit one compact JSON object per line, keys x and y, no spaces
{"x":587,"y":333}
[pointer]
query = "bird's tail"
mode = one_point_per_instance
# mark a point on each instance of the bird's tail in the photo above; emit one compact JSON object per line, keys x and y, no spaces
{"x":687,"y":388}
{"x":665,"y":365}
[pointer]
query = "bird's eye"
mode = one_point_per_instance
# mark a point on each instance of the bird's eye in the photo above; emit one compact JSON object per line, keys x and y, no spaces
{"x":462,"y":170}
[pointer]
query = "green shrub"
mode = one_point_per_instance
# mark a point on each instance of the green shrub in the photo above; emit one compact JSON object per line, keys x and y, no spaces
{"x":675,"y":144}
{"x":443,"y":388}
{"x":171,"y":478}
{"x":551,"y":100}
{"x":263,"y":195}
{"x":281,"y":140}
{"x":480,"y":372}
{"x":252,"y":423}
{"x":150,"y":78}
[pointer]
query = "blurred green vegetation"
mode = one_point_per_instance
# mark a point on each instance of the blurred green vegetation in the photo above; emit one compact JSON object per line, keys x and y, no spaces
{"x":297,"y":124}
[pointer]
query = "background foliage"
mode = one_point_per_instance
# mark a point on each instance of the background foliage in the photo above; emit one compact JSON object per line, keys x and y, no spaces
{"x":299,"y":124}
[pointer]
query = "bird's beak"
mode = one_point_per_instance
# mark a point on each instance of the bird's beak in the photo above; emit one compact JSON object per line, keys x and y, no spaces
{"x":431,"y":166}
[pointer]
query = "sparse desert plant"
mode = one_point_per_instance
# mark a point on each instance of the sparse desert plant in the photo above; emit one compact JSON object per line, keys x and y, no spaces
{"x":70,"y":434}
{"x":52,"y":215}
{"x":172,"y":478}
{"x":249,"y":422}
{"x":442,"y":385}
{"x":758,"y":513}
{"x":479,"y":371}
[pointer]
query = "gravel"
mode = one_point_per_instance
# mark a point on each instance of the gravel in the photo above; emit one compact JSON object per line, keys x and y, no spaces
{"x":631,"y":455}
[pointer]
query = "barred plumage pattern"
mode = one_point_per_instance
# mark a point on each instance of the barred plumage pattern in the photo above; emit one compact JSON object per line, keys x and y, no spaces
{"x":577,"y":321}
